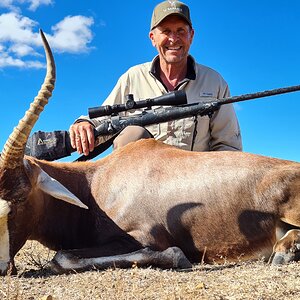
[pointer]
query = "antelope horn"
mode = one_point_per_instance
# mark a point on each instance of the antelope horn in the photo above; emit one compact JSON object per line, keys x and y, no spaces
{"x":13,"y":151}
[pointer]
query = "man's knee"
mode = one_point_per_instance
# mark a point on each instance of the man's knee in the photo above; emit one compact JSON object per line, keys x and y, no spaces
{"x":131,"y":134}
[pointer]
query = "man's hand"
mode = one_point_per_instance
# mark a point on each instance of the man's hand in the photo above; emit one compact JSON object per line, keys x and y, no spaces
{"x":82,"y":137}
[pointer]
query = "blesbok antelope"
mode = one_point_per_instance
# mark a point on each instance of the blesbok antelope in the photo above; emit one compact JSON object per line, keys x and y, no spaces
{"x":147,"y":203}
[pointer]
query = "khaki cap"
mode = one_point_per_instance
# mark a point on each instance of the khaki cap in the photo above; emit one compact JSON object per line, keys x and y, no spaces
{"x":167,"y":8}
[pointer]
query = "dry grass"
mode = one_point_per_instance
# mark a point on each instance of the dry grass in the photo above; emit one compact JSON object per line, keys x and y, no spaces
{"x":252,"y":280}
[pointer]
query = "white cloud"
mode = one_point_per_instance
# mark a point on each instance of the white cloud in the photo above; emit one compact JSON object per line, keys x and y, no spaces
{"x":7,"y":4}
{"x":22,"y":50}
{"x":33,"y":4}
{"x":15,"y":28}
{"x":72,"y":34}
{"x":9,"y":61}
{"x":19,"y":38}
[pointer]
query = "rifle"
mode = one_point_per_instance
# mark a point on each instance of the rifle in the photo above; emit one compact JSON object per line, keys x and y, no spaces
{"x":55,"y":145}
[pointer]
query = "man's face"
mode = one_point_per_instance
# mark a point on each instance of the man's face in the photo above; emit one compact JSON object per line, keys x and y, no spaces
{"x":172,"y":39}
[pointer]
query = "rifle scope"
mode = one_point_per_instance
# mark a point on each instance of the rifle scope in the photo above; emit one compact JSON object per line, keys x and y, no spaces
{"x":172,"y":98}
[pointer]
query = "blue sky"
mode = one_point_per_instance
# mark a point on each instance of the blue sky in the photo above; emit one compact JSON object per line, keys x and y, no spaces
{"x":255,"y":45}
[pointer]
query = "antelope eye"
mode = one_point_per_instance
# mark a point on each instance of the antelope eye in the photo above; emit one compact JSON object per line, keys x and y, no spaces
{"x":10,"y":213}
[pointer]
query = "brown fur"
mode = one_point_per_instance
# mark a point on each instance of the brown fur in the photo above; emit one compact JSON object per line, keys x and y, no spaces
{"x":226,"y":204}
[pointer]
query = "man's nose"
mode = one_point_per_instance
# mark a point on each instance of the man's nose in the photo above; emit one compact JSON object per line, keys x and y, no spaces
{"x":173,"y":35}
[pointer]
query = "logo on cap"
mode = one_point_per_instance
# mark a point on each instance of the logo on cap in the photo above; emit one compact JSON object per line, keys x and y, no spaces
{"x":173,"y":7}
{"x":172,"y":3}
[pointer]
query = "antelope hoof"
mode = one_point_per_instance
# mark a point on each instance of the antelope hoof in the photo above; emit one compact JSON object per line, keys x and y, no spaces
{"x":180,"y":261}
{"x":283,"y":258}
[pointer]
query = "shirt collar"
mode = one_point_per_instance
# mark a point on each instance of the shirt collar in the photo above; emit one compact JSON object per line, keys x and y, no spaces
{"x":190,"y":74}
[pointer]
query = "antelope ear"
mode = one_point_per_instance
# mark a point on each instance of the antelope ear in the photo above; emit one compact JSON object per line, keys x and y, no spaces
{"x":52,"y":187}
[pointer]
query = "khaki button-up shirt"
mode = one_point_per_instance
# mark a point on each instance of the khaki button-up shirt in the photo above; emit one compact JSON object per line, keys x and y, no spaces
{"x":220,"y":132}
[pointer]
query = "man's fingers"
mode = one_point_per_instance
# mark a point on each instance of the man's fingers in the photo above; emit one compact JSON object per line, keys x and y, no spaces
{"x":75,"y":138}
{"x":72,"y":137}
{"x":84,"y":141}
{"x":91,"y":139}
{"x":78,"y":143}
{"x":82,"y":137}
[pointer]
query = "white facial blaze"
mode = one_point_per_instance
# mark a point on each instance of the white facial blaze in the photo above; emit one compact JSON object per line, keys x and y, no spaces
{"x":4,"y":236}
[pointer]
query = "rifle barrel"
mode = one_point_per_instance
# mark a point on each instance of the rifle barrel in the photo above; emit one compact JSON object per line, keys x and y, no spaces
{"x":167,"y":114}
{"x":267,"y":93}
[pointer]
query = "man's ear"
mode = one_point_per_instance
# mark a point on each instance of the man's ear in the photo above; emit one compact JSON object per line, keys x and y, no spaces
{"x":152,"y":38}
{"x":192,"y":34}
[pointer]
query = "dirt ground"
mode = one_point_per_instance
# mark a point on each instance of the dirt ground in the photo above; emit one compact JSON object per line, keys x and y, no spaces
{"x":251,"y":280}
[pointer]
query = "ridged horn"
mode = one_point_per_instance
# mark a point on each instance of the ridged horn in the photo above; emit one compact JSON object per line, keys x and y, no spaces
{"x":13,"y":151}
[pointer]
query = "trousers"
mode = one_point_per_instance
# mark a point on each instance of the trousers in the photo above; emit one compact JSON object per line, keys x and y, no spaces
{"x":131,"y":134}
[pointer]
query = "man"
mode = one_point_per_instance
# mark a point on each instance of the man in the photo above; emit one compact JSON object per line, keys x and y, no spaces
{"x":171,"y":33}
